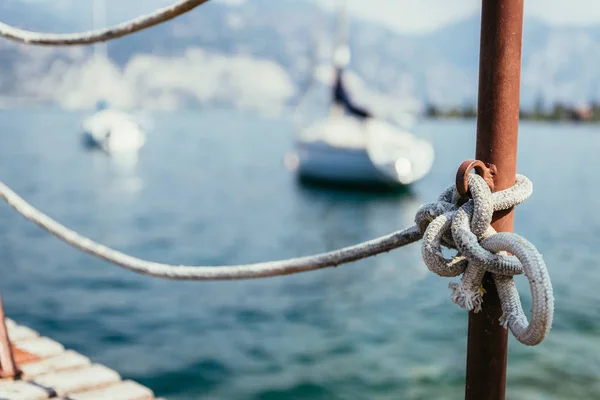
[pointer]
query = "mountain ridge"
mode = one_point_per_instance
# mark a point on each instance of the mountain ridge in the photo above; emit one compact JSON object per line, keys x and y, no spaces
{"x":230,"y":44}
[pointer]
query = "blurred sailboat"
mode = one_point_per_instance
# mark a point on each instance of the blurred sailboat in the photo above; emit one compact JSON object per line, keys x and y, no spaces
{"x":351,"y":146}
{"x":110,"y":129}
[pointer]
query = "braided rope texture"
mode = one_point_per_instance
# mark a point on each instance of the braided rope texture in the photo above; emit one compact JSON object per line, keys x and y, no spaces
{"x":449,"y":222}
{"x":102,"y":35}
{"x":467,"y":228}
{"x":203,"y":273}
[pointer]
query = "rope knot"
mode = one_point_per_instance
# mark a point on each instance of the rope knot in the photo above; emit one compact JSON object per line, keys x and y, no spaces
{"x":465,"y":227}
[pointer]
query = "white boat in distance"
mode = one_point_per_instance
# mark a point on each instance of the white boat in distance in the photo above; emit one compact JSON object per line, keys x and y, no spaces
{"x":351,"y":146}
{"x":342,"y":149}
{"x":112,"y":131}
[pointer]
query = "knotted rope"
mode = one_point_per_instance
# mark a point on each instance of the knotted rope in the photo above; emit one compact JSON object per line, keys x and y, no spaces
{"x":466,"y":228}
{"x":451,"y":222}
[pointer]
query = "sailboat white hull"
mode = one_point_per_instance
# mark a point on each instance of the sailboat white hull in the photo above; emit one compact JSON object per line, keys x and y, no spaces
{"x":320,"y":161}
{"x":346,"y":151}
{"x":365,"y":151}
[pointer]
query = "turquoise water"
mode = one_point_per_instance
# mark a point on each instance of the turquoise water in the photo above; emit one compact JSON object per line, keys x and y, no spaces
{"x":209,"y":188}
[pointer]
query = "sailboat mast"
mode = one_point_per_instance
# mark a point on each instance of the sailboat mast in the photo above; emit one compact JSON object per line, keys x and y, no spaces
{"x":343,"y":23}
{"x":341,"y":50}
{"x":99,"y":21}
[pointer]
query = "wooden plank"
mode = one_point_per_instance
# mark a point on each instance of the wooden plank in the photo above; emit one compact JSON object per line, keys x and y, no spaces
{"x":42,"y":347}
{"x":50,"y":370}
{"x":20,"y":390}
{"x":95,"y":376}
{"x":9,"y":323}
{"x":18,"y":333}
{"x":125,"y":390}
{"x":64,"y":361}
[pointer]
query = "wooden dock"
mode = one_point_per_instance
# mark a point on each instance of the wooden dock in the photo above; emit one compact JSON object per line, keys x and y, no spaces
{"x":49,"y":371}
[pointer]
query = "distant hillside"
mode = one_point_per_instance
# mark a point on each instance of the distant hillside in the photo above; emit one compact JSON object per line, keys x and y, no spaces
{"x":260,"y":54}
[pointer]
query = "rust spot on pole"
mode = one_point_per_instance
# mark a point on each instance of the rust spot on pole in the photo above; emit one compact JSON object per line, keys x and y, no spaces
{"x":497,"y":134}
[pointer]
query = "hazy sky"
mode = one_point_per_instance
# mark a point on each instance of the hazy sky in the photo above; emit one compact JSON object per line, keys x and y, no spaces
{"x":425,"y":15}
{"x":422,"y":15}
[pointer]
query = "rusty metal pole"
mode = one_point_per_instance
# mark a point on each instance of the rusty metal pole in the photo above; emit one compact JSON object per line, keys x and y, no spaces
{"x":8,"y":368}
{"x":497,"y":136}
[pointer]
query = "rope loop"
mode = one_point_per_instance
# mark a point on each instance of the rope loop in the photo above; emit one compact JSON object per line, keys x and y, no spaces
{"x":466,"y":227}
{"x":542,"y":297}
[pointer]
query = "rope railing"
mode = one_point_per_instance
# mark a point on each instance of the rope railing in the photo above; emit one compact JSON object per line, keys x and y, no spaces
{"x":452,"y":221}
{"x":101,"y":35}
{"x":200,"y":273}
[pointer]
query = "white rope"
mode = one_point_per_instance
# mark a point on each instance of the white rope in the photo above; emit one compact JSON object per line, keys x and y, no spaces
{"x":448,"y":222}
{"x":181,"y":272}
{"x":101,"y":35}
{"x":467,"y":229}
